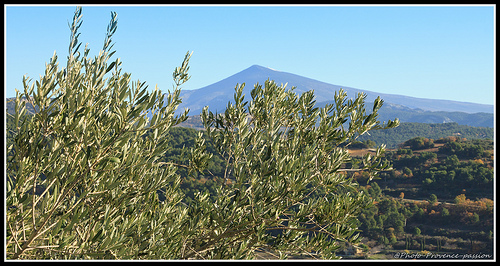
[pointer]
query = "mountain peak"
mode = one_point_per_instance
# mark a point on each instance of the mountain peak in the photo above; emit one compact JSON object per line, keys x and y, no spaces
{"x":218,"y":94}
{"x":259,"y":67}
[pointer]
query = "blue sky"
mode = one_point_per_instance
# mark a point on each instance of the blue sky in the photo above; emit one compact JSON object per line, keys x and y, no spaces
{"x":440,"y":52}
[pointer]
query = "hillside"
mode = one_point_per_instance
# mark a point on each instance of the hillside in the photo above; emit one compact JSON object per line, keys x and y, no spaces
{"x":438,"y":198}
{"x":395,"y":136}
{"x":390,"y":111}
{"x":418,"y":206}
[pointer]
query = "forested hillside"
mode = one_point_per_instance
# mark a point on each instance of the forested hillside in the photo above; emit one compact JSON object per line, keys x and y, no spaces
{"x":453,"y":162}
{"x":438,"y":197}
{"x":395,"y":136}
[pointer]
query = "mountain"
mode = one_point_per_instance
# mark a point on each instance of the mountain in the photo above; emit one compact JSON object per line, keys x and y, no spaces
{"x":218,"y":94}
{"x":407,"y":109}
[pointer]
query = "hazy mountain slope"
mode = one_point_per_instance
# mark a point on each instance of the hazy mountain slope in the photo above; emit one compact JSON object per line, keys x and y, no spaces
{"x":407,"y":109}
{"x":406,"y":114}
{"x":218,"y":94}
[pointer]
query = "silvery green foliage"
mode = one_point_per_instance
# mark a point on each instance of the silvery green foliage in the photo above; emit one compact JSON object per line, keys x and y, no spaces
{"x":86,"y":168}
{"x":288,"y":192}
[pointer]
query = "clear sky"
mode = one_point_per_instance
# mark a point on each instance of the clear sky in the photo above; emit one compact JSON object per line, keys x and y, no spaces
{"x":440,"y":52}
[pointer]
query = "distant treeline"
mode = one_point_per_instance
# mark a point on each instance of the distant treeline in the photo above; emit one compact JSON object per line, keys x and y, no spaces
{"x":397,"y":136}
{"x":421,"y":116}
{"x":394,"y":137}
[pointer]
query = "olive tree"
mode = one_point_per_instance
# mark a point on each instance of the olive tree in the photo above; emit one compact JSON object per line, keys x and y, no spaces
{"x":85,"y":169}
{"x":287,"y":191}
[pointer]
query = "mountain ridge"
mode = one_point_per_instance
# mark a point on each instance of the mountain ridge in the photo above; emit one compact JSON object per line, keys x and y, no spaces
{"x":217,"y":95}
{"x":407,"y":109}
